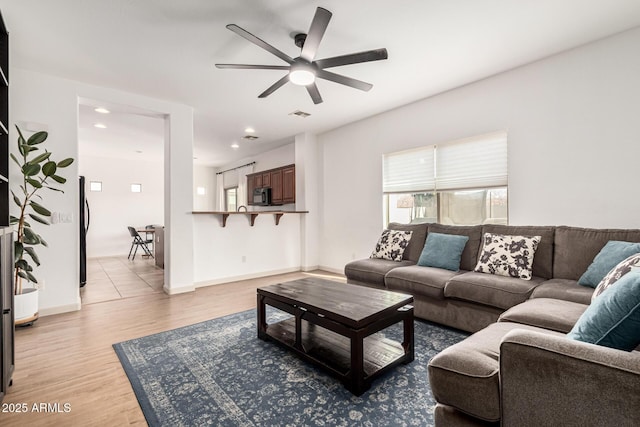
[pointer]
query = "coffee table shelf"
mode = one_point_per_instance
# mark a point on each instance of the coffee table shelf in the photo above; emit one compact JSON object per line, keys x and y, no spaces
{"x":339,"y":327}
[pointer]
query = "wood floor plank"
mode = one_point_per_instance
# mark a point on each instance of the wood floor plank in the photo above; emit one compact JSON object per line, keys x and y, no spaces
{"x":69,"y":359}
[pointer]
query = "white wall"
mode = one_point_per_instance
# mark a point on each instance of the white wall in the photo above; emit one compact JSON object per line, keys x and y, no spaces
{"x":574,"y":144}
{"x":53,"y":102}
{"x":205,"y":177}
{"x":116,"y":207}
{"x":239,"y":251}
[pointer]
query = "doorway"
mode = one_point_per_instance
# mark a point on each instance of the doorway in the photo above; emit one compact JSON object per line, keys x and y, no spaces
{"x":121,"y":156}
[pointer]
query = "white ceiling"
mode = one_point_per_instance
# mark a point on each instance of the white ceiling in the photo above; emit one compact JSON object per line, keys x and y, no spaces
{"x":167,"y":49}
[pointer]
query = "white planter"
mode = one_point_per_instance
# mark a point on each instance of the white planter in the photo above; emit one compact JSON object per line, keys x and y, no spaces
{"x":26,"y":306}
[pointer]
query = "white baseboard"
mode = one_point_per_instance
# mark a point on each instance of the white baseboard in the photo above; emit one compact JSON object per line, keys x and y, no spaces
{"x":229,"y":279}
{"x":50,"y":311}
{"x":175,"y":290}
{"x":309,"y":268}
{"x":332,"y":270}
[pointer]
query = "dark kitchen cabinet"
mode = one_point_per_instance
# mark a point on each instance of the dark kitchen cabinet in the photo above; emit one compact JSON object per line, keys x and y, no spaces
{"x":289,"y":185}
{"x":276,"y":188}
{"x":282,"y":182}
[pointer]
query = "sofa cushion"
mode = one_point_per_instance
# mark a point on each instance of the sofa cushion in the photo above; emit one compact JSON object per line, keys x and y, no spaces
{"x":554,"y":314}
{"x":392,"y":244}
{"x":575,"y":248}
{"x":419,"y":233}
{"x":417,"y":280}
{"x":371,"y":270}
{"x":507,"y":255}
{"x":610,"y":255}
{"x":469,"y":255}
{"x":543,"y":261}
{"x":616,"y":273}
{"x":563,"y":289}
{"x":613,"y":319}
{"x":495,"y":291}
{"x":465,"y":375}
{"x":443,"y":251}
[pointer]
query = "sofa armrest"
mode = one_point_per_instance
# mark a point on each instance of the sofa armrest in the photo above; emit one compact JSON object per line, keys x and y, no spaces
{"x":550,"y":380}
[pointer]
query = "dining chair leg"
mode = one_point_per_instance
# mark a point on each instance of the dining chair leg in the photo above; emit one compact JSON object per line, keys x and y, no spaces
{"x":130,"y":250}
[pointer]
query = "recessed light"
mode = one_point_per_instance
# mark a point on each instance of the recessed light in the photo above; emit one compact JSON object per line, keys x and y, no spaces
{"x":249,"y":130}
{"x":101,"y":110}
{"x":235,"y":146}
{"x":139,"y":151}
{"x":100,"y":126}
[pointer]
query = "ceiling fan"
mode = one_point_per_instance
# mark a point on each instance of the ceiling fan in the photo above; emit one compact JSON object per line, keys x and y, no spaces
{"x":304,"y":69}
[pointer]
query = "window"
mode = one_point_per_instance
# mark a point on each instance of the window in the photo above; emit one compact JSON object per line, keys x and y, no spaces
{"x":231,"y":199}
{"x":461,"y":182}
{"x":95,"y":186}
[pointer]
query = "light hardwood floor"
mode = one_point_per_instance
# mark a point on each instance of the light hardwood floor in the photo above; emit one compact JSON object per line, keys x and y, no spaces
{"x":69,"y":359}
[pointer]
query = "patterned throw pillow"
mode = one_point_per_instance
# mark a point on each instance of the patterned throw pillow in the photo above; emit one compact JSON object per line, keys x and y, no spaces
{"x":392,"y":244}
{"x":507,"y":255}
{"x":615,"y":274}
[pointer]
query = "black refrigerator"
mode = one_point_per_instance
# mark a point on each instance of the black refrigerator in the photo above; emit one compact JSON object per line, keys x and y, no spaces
{"x":83,"y":220}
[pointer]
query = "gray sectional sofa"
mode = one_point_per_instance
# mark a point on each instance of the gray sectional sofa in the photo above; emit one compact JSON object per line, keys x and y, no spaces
{"x":518,"y":368}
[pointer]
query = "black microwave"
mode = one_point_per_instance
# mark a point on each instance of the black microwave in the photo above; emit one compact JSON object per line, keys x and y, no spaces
{"x":261,"y":196}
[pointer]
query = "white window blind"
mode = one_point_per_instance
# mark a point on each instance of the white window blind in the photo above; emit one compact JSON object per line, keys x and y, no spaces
{"x":478,"y":162}
{"x":409,"y":171}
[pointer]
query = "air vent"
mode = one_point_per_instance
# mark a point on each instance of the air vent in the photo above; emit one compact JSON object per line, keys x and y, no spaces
{"x":300,"y":114}
{"x":250,"y":137}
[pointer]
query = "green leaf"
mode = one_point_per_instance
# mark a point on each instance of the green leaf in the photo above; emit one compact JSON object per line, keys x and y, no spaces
{"x":39,"y":219}
{"x":31,"y":278}
{"x":23,"y":264}
{"x":15,"y":159}
{"x":31,"y":170}
{"x":43,"y":242}
{"x":37,"y":138}
{"x":18,"y":250}
{"x":54,"y":189}
{"x":32,"y":254}
{"x":40,"y":209}
{"x":23,"y":274}
{"x":34,"y":182}
{"x":40,"y":158}
{"x":64,"y":163}
{"x":21,"y":139}
{"x":49,"y":168}
{"x":13,"y":220}
{"x":30,"y":238}
{"x":16,"y":199}
{"x":59,"y":179}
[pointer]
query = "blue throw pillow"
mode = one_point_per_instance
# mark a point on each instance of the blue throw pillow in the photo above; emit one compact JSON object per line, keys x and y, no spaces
{"x":610,"y":256}
{"x":613,"y":319}
{"x":443,"y":251}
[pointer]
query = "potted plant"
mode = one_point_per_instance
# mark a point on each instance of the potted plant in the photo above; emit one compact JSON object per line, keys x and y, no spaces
{"x":38,"y":172}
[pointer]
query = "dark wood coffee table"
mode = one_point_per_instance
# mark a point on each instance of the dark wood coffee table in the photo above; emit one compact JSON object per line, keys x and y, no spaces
{"x":335,"y":325}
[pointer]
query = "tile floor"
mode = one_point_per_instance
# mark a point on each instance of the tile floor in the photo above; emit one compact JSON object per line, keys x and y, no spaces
{"x":113,"y":278}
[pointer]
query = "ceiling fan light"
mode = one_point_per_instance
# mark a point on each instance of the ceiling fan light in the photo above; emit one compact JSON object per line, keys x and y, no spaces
{"x":302,"y":76}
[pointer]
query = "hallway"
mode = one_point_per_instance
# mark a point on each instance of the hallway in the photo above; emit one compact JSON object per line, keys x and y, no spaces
{"x":113,"y":278}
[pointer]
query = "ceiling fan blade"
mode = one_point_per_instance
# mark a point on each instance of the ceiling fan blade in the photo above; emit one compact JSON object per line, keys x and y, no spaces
{"x":344,"y":80}
{"x":253,"y":67}
{"x":314,"y":93}
{"x":314,"y":36}
{"x":354,"y":58}
{"x":274,"y":87}
{"x":259,"y":42}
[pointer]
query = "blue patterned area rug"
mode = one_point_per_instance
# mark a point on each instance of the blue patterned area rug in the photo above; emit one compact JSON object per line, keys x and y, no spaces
{"x":219,"y":373}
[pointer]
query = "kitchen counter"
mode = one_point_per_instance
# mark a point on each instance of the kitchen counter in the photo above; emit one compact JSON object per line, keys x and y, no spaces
{"x":252,"y":215}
